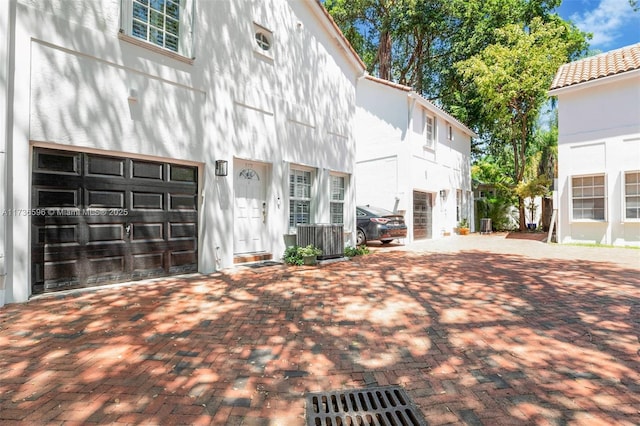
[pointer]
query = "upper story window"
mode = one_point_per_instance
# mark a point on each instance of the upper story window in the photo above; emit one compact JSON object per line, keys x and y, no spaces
{"x":430,"y":131}
{"x":449,"y":132}
{"x":165,"y":24}
{"x":588,"y":197}
{"x":632,"y":195}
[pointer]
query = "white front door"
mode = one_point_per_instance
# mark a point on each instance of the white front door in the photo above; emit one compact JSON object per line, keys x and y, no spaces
{"x":250,"y":207}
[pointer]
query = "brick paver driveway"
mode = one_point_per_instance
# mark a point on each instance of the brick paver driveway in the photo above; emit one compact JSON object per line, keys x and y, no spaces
{"x":525,"y":334}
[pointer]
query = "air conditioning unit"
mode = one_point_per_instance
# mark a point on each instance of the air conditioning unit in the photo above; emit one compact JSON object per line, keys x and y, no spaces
{"x":328,"y":238}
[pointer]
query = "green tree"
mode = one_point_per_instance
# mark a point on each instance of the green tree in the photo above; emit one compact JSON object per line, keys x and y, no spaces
{"x":370,"y":25}
{"x":511,"y":78}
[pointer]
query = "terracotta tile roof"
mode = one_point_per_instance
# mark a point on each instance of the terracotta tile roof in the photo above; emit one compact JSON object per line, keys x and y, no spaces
{"x":603,"y":65}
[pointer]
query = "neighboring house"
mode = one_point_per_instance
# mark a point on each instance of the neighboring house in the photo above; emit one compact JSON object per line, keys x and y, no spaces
{"x":165,"y":137}
{"x":598,"y":189}
{"x":412,"y":157}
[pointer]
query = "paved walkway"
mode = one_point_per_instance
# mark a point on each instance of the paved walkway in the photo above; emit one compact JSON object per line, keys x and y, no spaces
{"x":478,"y":330}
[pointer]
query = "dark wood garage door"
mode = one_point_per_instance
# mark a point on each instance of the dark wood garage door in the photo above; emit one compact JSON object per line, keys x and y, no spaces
{"x":100,"y":219}
{"x":422,"y":215}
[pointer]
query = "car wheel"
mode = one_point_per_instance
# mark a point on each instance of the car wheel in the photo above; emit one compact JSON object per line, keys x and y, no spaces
{"x":385,"y":241}
{"x":360,"y":237}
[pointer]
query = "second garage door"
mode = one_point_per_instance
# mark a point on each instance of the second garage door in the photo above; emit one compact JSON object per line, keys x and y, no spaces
{"x":422,"y":215}
{"x":101,"y":219}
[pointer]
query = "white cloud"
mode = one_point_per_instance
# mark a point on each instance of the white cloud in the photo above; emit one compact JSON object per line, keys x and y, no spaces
{"x":605,"y":21}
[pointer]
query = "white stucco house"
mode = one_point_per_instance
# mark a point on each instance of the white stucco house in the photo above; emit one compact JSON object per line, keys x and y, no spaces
{"x":146,"y":138}
{"x":412,"y":157}
{"x":598,"y":190}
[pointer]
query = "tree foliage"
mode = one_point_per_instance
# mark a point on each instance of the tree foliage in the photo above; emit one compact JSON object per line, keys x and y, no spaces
{"x":488,"y":62}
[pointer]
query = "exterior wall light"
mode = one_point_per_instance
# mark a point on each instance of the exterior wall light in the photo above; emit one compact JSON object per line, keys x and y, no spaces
{"x":221,"y":167}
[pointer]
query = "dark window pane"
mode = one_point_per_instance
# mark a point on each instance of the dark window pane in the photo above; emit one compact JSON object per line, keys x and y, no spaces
{"x":106,"y":166}
{"x":57,"y":163}
{"x":183,"y":174}
{"x":142,"y":169}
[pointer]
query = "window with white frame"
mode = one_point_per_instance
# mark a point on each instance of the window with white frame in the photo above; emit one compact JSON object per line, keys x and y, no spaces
{"x":632,"y":195}
{"x":299,"y":197}
{"x":449,"y":132}
{"x":338,"y":187}
{"x":430,"y":130}
{"x":166,"y":24}
{"x":588,"y":197}
{"x":459,"y":202}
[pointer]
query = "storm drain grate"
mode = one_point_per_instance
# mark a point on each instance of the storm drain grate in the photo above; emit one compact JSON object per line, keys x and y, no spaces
{"x":376,"y":406}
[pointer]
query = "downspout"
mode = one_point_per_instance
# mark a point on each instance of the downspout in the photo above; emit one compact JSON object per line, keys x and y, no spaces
{"x":7,"y":28}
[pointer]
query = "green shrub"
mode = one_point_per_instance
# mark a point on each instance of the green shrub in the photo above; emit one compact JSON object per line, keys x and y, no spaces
{"x":309,"y":250}
{"x":292,"y":256}
{"x":356,"y":251}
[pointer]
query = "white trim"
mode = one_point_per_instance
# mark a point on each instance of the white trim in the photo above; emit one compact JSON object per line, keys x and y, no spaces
{"x":157,"y":49}
{"x":89,"y":150}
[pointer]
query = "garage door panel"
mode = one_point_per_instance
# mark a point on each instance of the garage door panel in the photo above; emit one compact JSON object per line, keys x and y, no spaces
{"x":182,"y":202}
{"x":141,"y":232}
{"x":61,"y":270}
{"x":182,"y":174}
{"x":182,"y":258}
{"x":57,"y":198}
{"x":57,"y":162}
{"x":147,"y":170}
{"x":182,"y":230}
{"x":56,"y":235}
{"x":99,"y":232}
{"x":123,"y":219}
{"x":147,"y":200}
{"x":107,"y":265}
{"x":105,"y":166}
{"x":104,"y":199}
{"x":148,"y":262}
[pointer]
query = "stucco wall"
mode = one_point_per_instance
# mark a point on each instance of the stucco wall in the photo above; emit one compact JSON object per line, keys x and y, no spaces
{"x":80,"y":86}
{"x":599,"y":132}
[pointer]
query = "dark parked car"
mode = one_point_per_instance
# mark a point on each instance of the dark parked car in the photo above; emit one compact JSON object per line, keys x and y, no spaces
{"x":374,"y":223}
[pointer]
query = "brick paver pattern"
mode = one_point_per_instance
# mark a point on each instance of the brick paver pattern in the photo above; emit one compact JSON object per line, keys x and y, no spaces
{"x":474,"y":337}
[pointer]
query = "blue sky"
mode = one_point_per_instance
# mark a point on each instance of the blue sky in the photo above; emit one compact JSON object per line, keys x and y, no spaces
{"x":613,"y":23}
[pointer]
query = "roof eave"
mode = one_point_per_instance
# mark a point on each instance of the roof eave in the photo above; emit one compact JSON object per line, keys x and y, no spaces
{"x":595,"y":82}
{"x":324,"y":15}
